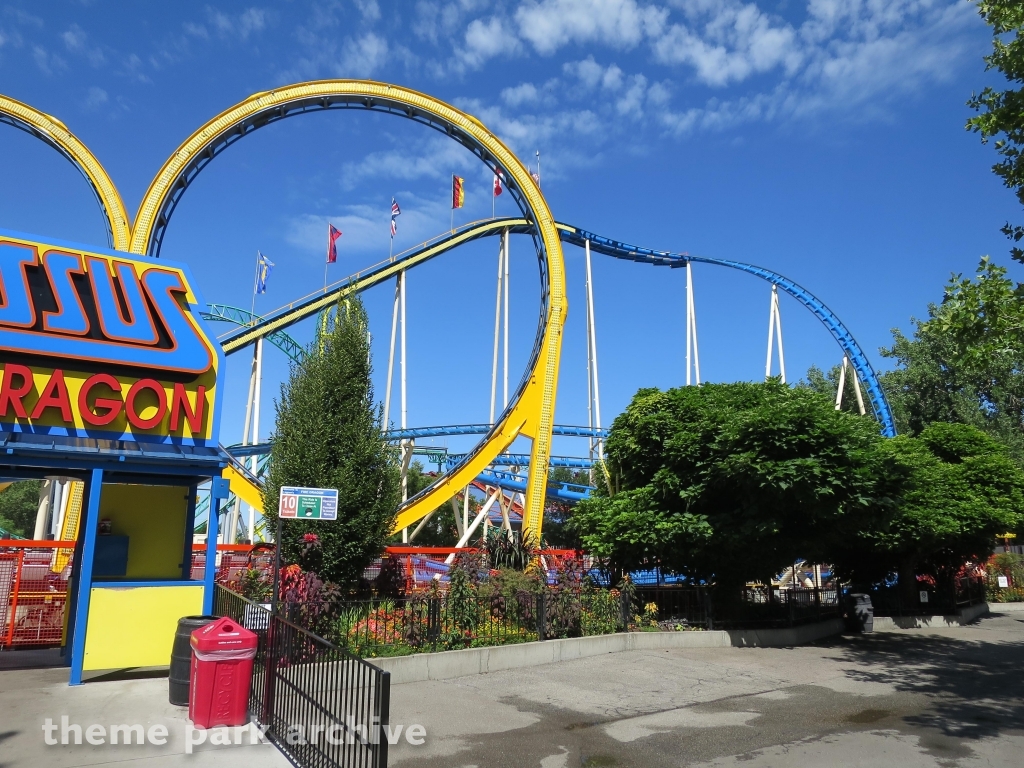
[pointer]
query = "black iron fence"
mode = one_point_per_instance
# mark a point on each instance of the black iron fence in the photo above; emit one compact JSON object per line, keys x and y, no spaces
{"x":934,"y":597}
{"x":322,"y":706}
{"x":398,"y":626}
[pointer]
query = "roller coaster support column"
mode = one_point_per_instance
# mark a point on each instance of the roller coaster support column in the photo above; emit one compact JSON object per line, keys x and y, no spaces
{"x":842,"y":387}
{"x":256,"y":431}
{"x":775,"y":330}
{"x":497,"y":324}
{"x":593,"y":387}
{"x":406,"y":444}
{"x":691,"y":330}
{"x":504,"y":364}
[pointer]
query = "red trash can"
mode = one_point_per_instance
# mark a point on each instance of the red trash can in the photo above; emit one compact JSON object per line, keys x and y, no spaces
{"x":222,"y":654}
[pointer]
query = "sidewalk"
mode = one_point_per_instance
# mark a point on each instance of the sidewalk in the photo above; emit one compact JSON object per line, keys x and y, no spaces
{"x":29,"y":696}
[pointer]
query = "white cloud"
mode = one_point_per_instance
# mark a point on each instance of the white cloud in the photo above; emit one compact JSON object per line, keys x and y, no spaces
{"x":363,"y":56}
{"x":550,"y":24}
{"x":96,"y":97}
{"x":592,"y":74}
{"x":369,"y":9}
{"x":241,"y":26}
{"x":46,"y":61}
{"x":730,"y":43}
{"x":631,"y":102}
{"x":485,"y":40}
{"x":75,"y":40}
{"x":524,"y":93}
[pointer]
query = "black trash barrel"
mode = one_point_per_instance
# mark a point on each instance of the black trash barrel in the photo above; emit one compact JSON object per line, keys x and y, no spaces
{"x":860,"y":613}
{"x":181,"y":658}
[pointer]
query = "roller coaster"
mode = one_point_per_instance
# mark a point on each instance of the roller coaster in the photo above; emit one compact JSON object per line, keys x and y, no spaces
{"x":520,"y":480}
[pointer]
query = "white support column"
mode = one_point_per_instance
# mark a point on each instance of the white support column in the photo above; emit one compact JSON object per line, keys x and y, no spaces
{"x":406,"y":444}
{"x":505,"y":363}
{"x":691,"y":330}
{"x":842,"y":384}
{"x":457,"y":515}
{"x":497,"y":326}
{"x":423,"y":522}
{"x":46,"y":494}
{"x":775,"y":336}
{"x":465,"y":509}
{"x":857,"y":392}
{"x":471,"y":529}
{"x":592,"y":344}
{"x":257,"y":394}
{"x":391,"y":356}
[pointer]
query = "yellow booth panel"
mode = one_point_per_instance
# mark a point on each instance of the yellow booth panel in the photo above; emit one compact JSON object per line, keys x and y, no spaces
{"x":153,"y":518}
{"x":134,"y":626}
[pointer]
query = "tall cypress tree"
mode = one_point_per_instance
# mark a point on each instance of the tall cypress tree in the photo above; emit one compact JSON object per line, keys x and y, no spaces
{"x":328,"y":435}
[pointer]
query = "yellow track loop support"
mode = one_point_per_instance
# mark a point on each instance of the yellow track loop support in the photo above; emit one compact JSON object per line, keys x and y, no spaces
{"x":54,"y":132}
{"x":244,"y":488}
{"x":532,"y":413}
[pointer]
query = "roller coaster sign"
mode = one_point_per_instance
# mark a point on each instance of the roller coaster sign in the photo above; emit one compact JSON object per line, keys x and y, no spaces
{"x":103,"y":344}
{"x":308,"y":503}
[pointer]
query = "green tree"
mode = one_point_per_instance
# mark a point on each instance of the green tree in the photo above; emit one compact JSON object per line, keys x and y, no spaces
{"x":328,"y":435}
{"x":732,"y":482}
{"x":961,"y":488}
{"x":1001,"y":112}
{"x":965,"y":363}
{"x":19,"y":503}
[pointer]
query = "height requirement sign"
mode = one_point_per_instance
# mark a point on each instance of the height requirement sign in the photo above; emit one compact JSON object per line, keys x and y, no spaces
{"x":308,"y":503}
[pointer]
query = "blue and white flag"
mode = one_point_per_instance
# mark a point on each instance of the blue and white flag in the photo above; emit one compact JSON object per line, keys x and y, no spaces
{"x":395,"y":211}
{"x":263,"y":267}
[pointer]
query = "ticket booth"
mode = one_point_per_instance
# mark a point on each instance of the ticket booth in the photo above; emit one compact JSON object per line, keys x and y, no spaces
{"x":109,"y":376}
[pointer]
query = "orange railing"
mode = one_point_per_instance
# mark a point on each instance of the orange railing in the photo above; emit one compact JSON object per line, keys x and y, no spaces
{"x":33,"y":591}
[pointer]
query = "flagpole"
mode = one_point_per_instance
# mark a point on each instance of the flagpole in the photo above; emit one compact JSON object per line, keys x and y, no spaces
{"x":255,"y":281}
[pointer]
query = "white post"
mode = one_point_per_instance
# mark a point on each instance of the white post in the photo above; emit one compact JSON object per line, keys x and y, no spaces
{"x":505,"y":362}
{"x":592,"y":343}
{"x":465,"y":509}
{"x":256,"y":428}
{"x":771,"y":336}
{"x":778,"y":333}
{"x":857,"y":392}
{"x":423,"y":522}
{"x":842,"y":384}
{"x":497,"y":327}
{"x":46,"y":494}
{"x":691,"y":329}
{"x":391,"y":356}
{"x":476,"y":523}
{"x":455,"y":513}
{"x":406,"y":449}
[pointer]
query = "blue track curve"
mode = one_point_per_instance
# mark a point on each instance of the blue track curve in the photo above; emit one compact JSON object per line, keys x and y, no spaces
{"x":839,"y":332}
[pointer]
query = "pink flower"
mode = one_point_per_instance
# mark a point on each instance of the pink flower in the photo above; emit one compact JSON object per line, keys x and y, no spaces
{"x":310,"y":538}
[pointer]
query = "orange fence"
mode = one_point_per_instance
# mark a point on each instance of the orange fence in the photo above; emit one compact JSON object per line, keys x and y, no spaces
{"x":34,"y":585}
{"x":33,"y":591}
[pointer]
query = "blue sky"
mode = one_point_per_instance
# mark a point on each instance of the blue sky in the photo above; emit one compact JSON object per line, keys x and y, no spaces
{"x":823,"y":140}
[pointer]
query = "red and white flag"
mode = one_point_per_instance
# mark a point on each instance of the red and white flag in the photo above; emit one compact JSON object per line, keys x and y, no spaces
{"x":332,"y":249}
{"x":497,"y":183}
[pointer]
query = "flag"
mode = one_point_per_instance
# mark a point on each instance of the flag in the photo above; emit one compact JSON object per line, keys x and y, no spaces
{"x":458,"y":193}
{"x":332,"y":249}
{"x":263,"y":267}
{"x":536,"y":177}
{"x":497,"y":183}
{"x":395,"y":212}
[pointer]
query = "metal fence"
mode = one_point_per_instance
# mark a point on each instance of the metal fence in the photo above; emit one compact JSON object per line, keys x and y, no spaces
{"x":33,"y":592}
{"x":438,"y":621}
{"x":322,"y":706}
{"x":929,"y":598}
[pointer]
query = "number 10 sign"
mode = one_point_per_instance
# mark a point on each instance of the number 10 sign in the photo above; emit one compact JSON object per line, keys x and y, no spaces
{"x":308,"y":503}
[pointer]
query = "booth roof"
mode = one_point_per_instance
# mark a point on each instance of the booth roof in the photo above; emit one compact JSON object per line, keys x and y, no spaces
{"x":21,"y":448}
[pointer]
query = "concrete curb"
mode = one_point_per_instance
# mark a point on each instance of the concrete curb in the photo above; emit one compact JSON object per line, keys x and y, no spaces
{"x":958,"y":619}
{"x":474,"y":661}
{"x":1006,"y":607}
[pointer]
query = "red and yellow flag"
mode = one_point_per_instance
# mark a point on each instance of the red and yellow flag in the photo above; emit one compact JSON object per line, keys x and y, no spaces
{"x":458,"y":193}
